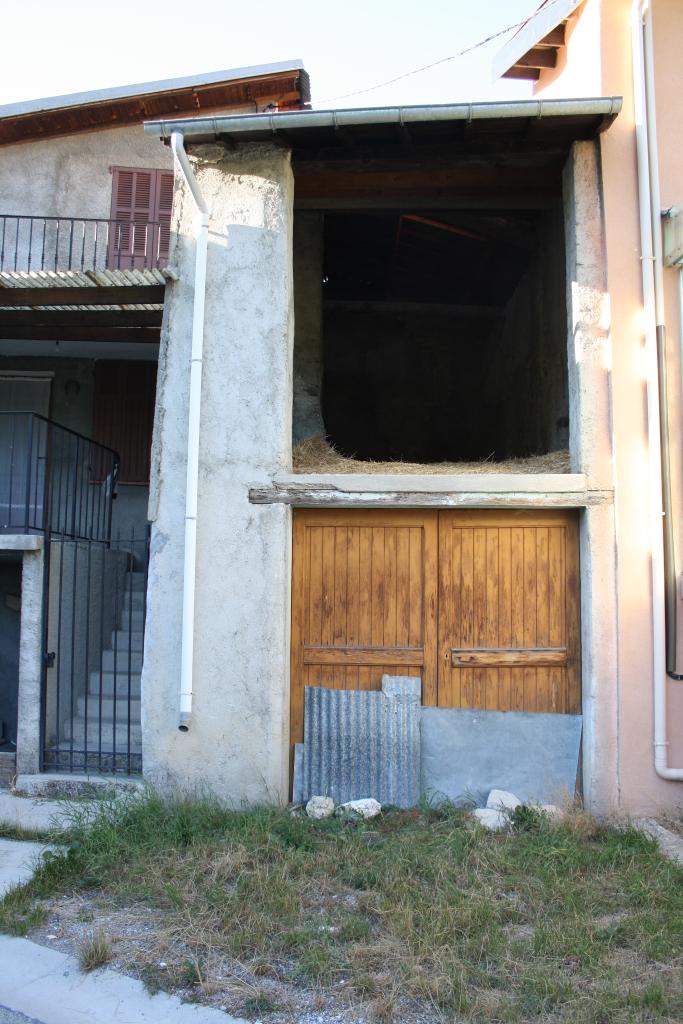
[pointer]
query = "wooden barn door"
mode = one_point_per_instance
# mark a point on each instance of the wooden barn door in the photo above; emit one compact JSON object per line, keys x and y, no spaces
{"x":509,"y":611}
{"x":364,"y":601}
{"x":483,"y":605}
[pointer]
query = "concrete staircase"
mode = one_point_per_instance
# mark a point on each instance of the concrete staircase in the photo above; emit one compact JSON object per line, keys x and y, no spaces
{"x":104,"y":718}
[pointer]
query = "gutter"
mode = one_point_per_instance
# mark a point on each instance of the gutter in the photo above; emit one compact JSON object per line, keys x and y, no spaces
{"x":194,"y":413}
{"x":662,"y":556}
{"x":237,"y":124}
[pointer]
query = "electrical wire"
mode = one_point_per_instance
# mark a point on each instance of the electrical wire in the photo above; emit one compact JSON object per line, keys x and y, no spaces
{"x":443,"y":60}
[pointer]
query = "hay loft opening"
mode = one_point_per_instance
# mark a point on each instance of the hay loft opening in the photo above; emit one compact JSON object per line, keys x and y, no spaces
{"x":443,"y":335}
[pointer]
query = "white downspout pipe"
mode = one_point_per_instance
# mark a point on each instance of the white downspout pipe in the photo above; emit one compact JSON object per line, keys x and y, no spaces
{"x":653,"y":302}
{"x":192,"y":484}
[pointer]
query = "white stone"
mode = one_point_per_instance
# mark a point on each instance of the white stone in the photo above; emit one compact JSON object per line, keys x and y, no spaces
{"x":491,"y":819}
{"x":367,"y":808}
{"x":320,"y":807}
{"x":554,"y":812}
{"x":501,"y":800}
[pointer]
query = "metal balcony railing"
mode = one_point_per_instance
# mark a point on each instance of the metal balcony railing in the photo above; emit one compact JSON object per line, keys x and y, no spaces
{"x":53,"y":480}
{"x":30,"y":243}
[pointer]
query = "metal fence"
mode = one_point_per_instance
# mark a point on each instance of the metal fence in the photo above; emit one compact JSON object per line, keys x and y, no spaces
{"x":81,"y":243}
{"x":94,"y":626}
{"x":54,"y":480}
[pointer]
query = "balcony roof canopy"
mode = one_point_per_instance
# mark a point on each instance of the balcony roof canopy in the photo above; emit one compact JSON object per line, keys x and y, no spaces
{"x":284,"y":85}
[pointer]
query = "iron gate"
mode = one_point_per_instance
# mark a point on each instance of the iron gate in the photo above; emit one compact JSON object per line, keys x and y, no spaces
{"x":94,"y":621}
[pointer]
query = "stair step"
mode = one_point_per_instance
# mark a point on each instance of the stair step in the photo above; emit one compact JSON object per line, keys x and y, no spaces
{"x":108,"y":707}
{"x":111,"y":682}
{"x":123,"y":640}
{"x":76,"y":733}
{"x":136,"y":600}
{"x":119,"y":659}
{"x":133,"y":621}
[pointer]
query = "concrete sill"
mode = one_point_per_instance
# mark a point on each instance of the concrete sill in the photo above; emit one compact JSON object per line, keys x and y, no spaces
{"x":21,"y":542}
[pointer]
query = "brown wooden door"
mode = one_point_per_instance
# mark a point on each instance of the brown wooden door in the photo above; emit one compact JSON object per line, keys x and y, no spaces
{"x":364,"y":601}
{"x":483,"y":605}
{"x":509,"y":611}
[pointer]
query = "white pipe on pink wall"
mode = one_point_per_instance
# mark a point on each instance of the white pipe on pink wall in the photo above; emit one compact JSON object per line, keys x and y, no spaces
{"x":651,"y":256}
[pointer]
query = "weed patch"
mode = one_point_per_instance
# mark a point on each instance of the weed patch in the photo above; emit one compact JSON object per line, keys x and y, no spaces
{"x":415,"y":916}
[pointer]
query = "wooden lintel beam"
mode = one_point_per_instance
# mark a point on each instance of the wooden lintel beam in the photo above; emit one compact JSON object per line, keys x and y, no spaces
{"x":390,"y":306}
{"x":81,"y":317}
{"x":110,"y":296}
{"x":539,"y":57}
{"x":40,"y":332}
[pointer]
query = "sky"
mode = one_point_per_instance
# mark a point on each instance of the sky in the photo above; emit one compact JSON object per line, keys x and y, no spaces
{"x":346,"y":46}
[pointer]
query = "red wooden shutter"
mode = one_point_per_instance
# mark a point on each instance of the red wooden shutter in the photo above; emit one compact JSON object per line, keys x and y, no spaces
{"x":132,"y":241}
{"x":164,"y":206}
{"x":125,"y":393}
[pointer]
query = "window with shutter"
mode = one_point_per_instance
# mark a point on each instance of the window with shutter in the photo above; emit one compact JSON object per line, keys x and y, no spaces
{"x":141,"y":217}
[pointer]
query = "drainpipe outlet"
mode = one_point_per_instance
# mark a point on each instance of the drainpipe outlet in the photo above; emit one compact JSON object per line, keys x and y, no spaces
{"x":184,"y":723}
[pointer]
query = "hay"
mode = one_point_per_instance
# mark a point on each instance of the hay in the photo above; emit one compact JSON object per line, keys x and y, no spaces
{"x":317,"y":455}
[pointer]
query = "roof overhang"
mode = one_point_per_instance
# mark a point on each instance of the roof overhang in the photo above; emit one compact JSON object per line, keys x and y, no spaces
{"x":284,"y":85}
{"x":443,"y":129}
{"x":537,"y":44}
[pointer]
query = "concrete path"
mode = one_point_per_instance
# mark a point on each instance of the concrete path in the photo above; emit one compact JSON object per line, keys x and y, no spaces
{"x":29,"y":813}
{"x":48,"y":986}
{"x":669,"y":844}
{"x":17,"y":861}
{"x":43,"y":986}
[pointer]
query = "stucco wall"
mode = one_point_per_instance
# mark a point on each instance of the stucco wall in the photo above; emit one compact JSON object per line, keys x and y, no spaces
{"x":631,"y":755}
{"x":71,"y":176}
{"x":236,"y":744}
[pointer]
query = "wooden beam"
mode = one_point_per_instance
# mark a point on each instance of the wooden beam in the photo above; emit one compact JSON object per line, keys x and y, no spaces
{"x":39,"y":332}
{"x":109,"y":296}
{"x":516,"y":71}
{"x":82,"y":317}
{"x":380,"y":306}
{"x":539,"y":57}
{"x":332,"y":497}
{"x":318,"y":655}
{"x":556,"y":37}
{"x":508,"y":657}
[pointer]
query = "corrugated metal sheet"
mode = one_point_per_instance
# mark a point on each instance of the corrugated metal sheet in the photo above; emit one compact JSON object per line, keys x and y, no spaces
{"x":362,"y":743}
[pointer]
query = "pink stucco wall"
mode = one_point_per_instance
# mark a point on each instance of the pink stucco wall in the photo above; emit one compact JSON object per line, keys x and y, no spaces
{"x":598,"y":61}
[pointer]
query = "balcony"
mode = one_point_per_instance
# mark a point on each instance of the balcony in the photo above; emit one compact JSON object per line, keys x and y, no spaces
{"x":53,"y":480}
{"x":82,"y":279}
{"x":32,"y":244}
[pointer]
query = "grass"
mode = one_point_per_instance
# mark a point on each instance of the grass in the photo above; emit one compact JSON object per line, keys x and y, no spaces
{"x":95,"y":951}
{"x":419,"y":916}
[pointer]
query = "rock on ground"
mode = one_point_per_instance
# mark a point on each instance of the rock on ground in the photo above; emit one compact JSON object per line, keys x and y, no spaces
{"x":367,"y":808}
{"x":491,"y":819}
{"x":501,"y":800}
{"x":320,"y":807}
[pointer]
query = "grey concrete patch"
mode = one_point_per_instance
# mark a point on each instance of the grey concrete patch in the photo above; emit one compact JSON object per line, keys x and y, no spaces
{"x":360,"y":743}
{"x":669,"y":844}
{"x":17,"y":862}
{"x":45,"y":984}
{"x":32,"y":815}
{"x":467,"y":753}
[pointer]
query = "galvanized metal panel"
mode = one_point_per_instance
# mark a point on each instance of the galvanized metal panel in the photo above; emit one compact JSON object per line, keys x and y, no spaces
{"x":362,"y":743}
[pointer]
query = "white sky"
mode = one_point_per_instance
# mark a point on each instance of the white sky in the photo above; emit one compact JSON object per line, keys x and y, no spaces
{"x":52,"y":48}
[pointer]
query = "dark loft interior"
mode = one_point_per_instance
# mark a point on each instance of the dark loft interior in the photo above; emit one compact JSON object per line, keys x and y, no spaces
{"x":444,"y":334}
